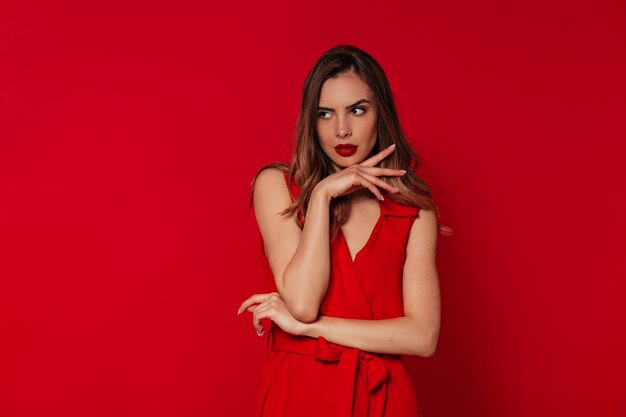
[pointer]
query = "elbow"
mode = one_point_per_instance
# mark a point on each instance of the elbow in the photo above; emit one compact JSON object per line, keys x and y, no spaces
{"x":428,"y":344}
{"x":431,"y":341}
{"x":303,"y":312}
{"x":305,"y":315}
{"x":429,"y":350}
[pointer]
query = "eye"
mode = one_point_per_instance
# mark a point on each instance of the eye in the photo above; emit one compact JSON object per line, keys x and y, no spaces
{"x":359,"y":108}
{"x":322,"y":113}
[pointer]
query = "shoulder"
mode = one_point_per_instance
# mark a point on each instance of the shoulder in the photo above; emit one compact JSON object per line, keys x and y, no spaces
{"x":424,"y":228}
{"x":270,"y":178}
{"x":427,"y":217}
{"x":270,"y":190}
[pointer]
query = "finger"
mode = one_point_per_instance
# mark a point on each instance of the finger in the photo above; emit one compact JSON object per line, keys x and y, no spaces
{"x":256,"y":298}
{"x":365,"y":183}
{"x":380,"y":183}
{"x":259,"y":314}
{"x":379,"y":156}
{"x":254,"y":308}
{"x":383,"y":172}
{"x":270,"y":297}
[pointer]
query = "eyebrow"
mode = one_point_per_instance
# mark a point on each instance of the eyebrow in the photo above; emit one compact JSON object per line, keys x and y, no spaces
{"x":356,"y":103}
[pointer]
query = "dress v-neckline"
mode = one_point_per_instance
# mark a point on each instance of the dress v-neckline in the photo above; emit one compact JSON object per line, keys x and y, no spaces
{"x":369,"y":238}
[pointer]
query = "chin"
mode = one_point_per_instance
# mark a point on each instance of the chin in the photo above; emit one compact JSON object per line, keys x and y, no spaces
{"x":346,"y":162}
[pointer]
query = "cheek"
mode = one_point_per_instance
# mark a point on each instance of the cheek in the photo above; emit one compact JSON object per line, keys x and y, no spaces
{"x":367,"y":126}
{"x":372,"y":136}
{"x":373,"y":124}
{"x":323,"y":135}
{"x":370,"y":130}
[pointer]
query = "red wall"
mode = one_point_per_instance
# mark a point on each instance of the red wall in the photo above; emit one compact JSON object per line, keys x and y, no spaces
{"x":130,"y":132}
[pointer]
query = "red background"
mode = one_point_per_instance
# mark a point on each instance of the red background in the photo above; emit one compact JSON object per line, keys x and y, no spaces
{"x":130,"y":132}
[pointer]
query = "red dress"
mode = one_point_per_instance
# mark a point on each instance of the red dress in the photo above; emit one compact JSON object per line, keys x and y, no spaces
{"x":312,"y":377}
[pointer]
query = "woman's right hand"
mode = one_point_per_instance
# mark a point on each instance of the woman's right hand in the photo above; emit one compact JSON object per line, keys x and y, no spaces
{"x":364,"y":174}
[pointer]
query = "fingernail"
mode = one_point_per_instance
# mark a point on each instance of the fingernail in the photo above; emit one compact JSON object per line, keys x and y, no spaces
{"x":403,"y":171}
{"x":392,"y":145}
{"x":238,"y":311}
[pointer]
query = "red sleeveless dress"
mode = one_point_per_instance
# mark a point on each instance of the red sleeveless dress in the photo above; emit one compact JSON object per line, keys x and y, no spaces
{"x":312,"y":377}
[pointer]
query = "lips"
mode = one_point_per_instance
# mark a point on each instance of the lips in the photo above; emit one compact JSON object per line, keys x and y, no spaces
{"x":346,"y":149}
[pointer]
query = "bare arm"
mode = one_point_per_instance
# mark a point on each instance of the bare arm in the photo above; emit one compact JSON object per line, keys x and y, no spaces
{"x":299,"y":259}
{"x":416,"y":333}
{"x":306,"y":277}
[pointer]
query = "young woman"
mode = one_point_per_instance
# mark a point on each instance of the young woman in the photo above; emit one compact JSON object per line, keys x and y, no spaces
{"x":347,"y":238}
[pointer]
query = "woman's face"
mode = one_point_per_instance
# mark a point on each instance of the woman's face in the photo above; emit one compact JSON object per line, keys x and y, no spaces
{"x":346,"y":115}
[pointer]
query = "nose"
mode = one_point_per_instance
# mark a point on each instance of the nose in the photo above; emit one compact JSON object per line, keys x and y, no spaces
{"x":343,"y":130}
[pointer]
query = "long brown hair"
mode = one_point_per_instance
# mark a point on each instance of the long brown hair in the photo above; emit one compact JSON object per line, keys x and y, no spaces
{"x":309,"y":164}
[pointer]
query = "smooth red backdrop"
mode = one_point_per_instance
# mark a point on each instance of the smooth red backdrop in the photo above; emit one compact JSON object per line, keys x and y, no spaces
{"x":130,"y":131}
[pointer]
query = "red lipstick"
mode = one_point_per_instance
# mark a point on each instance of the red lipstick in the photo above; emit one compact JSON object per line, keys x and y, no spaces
{"x":346,"y":149}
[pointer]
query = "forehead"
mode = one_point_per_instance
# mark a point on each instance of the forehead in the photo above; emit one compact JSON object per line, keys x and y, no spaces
{"x":343,"y":90}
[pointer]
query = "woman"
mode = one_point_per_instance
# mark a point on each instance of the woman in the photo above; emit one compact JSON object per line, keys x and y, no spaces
{"x":348,"y":243}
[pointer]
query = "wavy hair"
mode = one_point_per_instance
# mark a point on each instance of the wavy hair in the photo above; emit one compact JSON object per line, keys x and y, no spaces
{"x":310,"y":164}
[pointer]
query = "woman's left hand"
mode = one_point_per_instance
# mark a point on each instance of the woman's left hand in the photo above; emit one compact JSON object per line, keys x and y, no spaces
{"x":271,"y":306}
